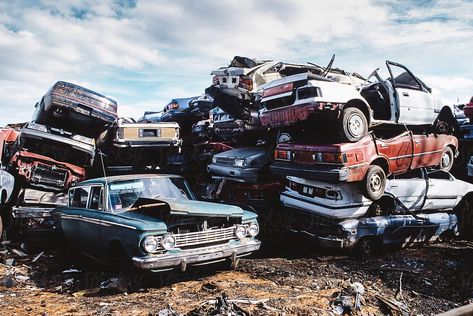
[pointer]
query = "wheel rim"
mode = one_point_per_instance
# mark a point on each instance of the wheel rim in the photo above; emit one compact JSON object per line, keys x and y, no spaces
{"x":446,"y":160}
{"x":376,"y":183}
{"x":355,"y":125}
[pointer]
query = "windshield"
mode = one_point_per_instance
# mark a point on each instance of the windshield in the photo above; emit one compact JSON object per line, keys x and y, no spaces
{"x":123,"y":194}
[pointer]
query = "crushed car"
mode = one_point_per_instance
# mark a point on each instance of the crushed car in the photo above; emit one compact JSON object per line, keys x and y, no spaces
{"x":401,"y":99}
{"x":241,"y":164}
{"x":468,"y":110}
{"x":74,"y":108}
{"x":58,"y":144}
{"x":8,"y":137}
{"x":32,"y":214}
{"x":368,"y":161}
{"x":366,"y":236}
{"x":154,"y":222}
{"x":420,"y":190}
{"x":187,"y":111}
{"x":7,"y":184}
{"x":42,"y":172}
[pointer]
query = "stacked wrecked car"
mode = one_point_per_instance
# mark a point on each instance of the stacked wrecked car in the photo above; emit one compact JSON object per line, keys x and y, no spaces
{"x":348,"y":161}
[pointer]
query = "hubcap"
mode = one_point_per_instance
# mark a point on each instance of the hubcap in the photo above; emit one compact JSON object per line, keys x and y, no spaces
{"x":445,"y":160}
{"x":355,"y":125}
{"x":375,"y":183}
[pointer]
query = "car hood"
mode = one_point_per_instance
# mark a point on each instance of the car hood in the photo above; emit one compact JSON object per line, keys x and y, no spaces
{"x":243,"y":152}
{"x":184,"y":207}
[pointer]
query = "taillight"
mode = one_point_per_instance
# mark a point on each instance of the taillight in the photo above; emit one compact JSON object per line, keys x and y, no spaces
{"x":246,"y":83}
{"x":215,"y":81}
{"x":173,"y":105}
{"x":329,"y":157}
{"x":282,"y":155}
{"x":278,"y":89}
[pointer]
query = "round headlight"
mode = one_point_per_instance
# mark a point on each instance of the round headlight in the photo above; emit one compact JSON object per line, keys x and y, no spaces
{"x":253,"y":230}
{"x":168,"y":242}
{"x":150,"y":244}
{"x":240,"y":231}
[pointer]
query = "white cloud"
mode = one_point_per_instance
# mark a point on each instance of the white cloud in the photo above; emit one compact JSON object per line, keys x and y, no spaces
{"x":147,"y":52}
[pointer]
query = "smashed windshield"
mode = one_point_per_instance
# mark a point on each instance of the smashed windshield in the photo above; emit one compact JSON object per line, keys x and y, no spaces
{"x":123,"y":194}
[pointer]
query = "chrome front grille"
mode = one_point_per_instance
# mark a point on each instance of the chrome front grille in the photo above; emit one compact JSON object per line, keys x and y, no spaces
{"x":224,"y":160}
{"x":49,"y":175}
{"x":204,"y":237}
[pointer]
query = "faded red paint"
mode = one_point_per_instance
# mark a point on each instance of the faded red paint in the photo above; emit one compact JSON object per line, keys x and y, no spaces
{"x":25,"y":162}
{"x":7,"y":137}
{"x":400,"y":153}
{"x":293,"y":114}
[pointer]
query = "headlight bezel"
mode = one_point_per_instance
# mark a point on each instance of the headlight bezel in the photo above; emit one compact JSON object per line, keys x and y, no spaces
{"x":253,"y":229}
{"x":164,"y":242}
{"x":241,"y":231}
{"x":239,"y":162}
{"x":151,"y":240}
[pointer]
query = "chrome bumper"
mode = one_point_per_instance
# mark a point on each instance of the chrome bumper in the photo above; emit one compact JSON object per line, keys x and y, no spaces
{"x":197,"y":256}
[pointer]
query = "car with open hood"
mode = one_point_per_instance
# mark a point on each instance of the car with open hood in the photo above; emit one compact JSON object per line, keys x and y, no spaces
{"x":154,"y":222}
{"x":38,"y":171}
{"x":420,"y":190}
{"x":400,"y":99}
{"x":241,"y":164}
{"x":77,"y":109}
{"x":368,"y":161}
{"x":57,"y":144}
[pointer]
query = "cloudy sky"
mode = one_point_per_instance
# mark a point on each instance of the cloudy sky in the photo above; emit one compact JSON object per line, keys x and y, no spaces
{"x":143,"y":53}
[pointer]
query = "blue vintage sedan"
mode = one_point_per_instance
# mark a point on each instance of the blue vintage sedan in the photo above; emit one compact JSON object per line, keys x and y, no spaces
{"x":155,"y":221}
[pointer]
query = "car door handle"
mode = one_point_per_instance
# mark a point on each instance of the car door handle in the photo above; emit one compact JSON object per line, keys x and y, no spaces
{"x":405,"y":94}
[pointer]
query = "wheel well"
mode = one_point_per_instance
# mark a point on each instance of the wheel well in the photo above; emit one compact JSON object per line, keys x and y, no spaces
{"x":3,"y":197}
{"x":116,"y":249}
{"x":382,"y":163}
{"x":357,"y":103}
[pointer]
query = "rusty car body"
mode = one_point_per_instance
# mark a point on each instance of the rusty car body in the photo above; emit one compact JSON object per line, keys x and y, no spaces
{"x":401,"y":99}
{"x":154,"y":222}
{"x":58,"y":144}
{"x":74,"y":108}
{"x":369,"y":160}
{"x":42,"y":172}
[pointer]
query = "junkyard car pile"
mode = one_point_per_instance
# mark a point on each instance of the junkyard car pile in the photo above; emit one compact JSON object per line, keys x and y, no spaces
{"x":361,"y":162}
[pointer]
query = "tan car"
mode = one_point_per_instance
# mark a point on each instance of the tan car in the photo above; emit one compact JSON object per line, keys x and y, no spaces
{"x":132,"y":134}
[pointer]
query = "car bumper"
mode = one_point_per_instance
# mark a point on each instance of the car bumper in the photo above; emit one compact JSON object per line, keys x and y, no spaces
{"x":327,"y":242}
{"x":138,"y":144}
{"x":198,"y":256}
{"x":249,"y":175}
{"x":317,"y":172}
{"x":87,"y":112}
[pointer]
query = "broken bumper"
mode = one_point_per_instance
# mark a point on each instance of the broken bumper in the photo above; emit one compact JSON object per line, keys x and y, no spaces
{"x":317,"y":172}
{"x":198,"y":256}
{"x":249,"y":175}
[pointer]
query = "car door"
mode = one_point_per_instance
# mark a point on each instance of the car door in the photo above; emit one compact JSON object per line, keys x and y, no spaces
{"x":71,"y":216}
{"x":90,"y":224}
{"x":410,"y":188}
{"x":397,"y":150}
{"x":416,"y":103}
{"x":427,"y":151}
{"x":442,"y":191}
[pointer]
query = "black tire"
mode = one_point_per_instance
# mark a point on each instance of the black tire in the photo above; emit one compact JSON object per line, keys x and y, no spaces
{"x":352,"y":125}
{"x":446,"y":161}
{"x":374,"y":210}
{"x":1,"y":227}
{"x":374,"y":183}
{"x":464,"y":212}
{"x":367,"y":246}
{"x":445,"y":123}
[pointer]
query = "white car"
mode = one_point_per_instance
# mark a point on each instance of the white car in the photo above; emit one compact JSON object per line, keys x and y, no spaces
{"x":418,"y":190}
{"x":401,"y":99}
{"x":7,"y":183}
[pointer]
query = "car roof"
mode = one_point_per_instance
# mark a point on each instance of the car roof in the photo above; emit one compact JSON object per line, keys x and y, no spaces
{"x":104,"y":180}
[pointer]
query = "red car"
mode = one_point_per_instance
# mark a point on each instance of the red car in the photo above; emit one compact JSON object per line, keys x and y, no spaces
{"x":8,"y":137}
{"x":43,"y":172}
{"x":468,"y":110}
{"x":369,"y":160}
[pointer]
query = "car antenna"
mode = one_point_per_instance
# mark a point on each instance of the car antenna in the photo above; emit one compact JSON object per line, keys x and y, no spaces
{"x":101,"y":154}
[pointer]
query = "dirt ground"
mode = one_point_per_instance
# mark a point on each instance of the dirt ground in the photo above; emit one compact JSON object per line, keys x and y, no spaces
{"x":288,"y":276}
